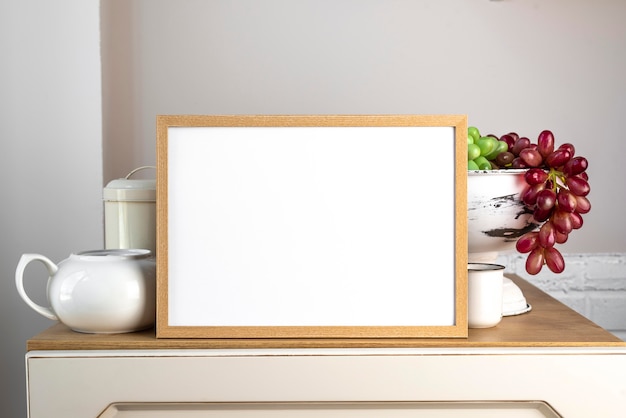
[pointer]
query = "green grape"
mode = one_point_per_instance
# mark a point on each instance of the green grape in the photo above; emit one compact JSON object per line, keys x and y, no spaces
{"x":502,"y":146}
{"x":487,"y":144}
{"x":473,"y":151}
{"x":474,"y":133}
{"x":471,"y":165}
{"x":483,"y":163}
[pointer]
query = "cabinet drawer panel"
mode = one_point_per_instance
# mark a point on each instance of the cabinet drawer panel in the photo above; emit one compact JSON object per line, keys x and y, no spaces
{"x":575,"y":385}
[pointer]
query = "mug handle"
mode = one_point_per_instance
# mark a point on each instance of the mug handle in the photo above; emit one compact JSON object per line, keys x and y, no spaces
{"x":19,"y":282}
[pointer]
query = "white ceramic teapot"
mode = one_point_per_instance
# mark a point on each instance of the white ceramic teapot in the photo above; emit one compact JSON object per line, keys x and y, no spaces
{"x":100,"y":291}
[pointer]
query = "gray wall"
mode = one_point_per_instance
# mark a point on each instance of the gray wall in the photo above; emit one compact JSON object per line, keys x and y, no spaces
{"x":521,"y":65}
{"x":50,"y":159}
{"x":68,"y":125}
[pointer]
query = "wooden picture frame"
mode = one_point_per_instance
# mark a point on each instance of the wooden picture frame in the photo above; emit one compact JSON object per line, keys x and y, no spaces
{"x":311,"y":226}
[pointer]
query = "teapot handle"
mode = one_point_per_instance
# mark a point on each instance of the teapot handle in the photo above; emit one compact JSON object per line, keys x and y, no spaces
{"x":19,"y":282}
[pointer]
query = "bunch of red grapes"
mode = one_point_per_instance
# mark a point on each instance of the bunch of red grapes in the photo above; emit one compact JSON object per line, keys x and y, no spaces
{"x":556,"y":192}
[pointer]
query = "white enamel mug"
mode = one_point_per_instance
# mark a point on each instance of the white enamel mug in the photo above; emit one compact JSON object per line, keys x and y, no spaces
{"x":484,"y":298}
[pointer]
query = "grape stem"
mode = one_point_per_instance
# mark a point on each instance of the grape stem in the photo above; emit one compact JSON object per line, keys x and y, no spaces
{"x":557,"y":178}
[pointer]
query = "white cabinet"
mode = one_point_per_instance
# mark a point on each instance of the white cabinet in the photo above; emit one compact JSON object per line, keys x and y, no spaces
{"x":537,"y":382}
{"x":550,"y":362}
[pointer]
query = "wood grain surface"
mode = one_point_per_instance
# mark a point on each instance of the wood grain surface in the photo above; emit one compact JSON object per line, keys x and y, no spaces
{"x":549,"y":324}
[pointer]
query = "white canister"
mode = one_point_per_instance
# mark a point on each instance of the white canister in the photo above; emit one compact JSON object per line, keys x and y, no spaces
{"x":130,"y":213}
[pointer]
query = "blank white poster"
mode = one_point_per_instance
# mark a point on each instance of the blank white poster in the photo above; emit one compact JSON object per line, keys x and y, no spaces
{"x":319,"y":226}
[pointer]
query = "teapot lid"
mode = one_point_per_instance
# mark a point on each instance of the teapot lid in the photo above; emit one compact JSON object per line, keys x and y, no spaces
{"x":134,"y":190}
{"x":129,"y":253}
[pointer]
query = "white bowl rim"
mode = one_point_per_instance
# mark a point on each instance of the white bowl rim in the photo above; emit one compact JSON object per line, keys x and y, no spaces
{"x":497,"y":172}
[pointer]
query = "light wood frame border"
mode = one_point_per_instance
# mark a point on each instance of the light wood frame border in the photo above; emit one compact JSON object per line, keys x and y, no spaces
{"x":376,"y":333}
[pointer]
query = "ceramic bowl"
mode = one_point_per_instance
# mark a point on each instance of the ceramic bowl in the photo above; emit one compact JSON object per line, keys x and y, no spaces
{"x":496,"y":215}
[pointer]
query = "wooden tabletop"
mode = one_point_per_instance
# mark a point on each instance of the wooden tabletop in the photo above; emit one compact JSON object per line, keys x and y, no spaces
{"x":549,"y":324}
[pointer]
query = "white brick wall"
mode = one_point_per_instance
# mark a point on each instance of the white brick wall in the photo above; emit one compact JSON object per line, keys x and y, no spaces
{"x":594,"y":285}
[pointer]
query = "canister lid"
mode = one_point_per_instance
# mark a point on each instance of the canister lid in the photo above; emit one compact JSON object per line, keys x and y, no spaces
{"x":133,"y":190}
{"x":130,"y":190}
